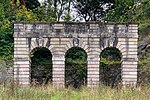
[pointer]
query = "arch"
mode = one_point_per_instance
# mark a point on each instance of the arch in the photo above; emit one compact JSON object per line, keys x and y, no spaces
{"x":37,"y":42}
{"x":110,"y":66}
{"x":82,"y":44}
{"x":41,"y":66}
{"x":75,"y":67}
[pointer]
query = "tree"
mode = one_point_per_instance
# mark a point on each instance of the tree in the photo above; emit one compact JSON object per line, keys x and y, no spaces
{"x":122,"y":11}
{"x":60,"y":8}
{"x":8,"y":13}
{"x":142,"y":16}
{"x":92,"y":10}
{"x":29,"y":4}
{"x":6,"y":36}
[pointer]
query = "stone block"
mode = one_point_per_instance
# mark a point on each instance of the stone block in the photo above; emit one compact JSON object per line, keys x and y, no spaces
{"x":58,"y":69}
{"x":91,"y":76}
{"x":59,"y":76}
{"x":21,"y":65}
{"x":93,"y":62}
{"x":21,"y":52}
{"x":93,"y":80}
{"x":134,"y":56}
{"x":93,"y":68}
{"x":129,"y":69}
{"x":93,"y":72}
{"x":58,"y":79}
{"x":129,"y":64}
{"x":130,"y":53}
{"x":24,"y":69}
{"x":129,"y":73}
{"x":22,"y":62}
{"x":58,"y":62}
{"x":20,"y":46}
{"x":21,"y":76}
{"x":24,"y":83}
{"x":58,"y":72}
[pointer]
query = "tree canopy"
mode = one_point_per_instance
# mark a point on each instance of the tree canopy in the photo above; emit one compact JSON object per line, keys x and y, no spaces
{"x":93,"y":10}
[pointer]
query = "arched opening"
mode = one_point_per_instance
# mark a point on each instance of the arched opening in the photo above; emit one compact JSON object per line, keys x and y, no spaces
{"x":75,"y":67}
{"x":41,"y":66}
{"x":110,"y":66}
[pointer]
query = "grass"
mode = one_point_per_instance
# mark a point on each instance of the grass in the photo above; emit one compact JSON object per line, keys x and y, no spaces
{"x":49,"y":93}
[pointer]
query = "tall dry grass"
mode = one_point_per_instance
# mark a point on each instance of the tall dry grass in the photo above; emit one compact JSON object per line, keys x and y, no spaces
{"x":13,"y":92}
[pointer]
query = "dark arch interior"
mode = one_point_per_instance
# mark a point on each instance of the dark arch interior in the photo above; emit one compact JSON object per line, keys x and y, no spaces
{"x":75,"y":67}
{"x":41,"y":66}
{"x":110,"y":67}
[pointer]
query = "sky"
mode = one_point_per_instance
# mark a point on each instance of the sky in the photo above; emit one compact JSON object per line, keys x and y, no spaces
{"x":73,"y":13}
{"x":40,"y":0}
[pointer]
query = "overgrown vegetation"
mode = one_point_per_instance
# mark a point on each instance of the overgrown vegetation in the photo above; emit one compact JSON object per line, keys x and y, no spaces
{"x":49,"y":93}
{"x":144,"y":72}
{"x":41,"y":66}
{"x":110,"y":67}
{"x":75,"y":67}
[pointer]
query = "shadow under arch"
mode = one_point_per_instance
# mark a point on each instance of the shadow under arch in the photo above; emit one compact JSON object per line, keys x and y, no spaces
{"x":110,"y":66}
{"x":41,"y":66}
{"x":75,"y":67}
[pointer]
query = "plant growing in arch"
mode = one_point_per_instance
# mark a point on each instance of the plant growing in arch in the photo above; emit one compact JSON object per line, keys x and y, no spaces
{"x":110,"y":66}
{"x":41,"y":66}
{"x":75,"y":67}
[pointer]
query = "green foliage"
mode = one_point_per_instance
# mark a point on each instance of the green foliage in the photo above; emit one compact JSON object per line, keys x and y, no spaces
{"x":121,"y":11}
{"x":43,"y":14}
{"x":31,"y":4}
{"x":23,"y":14}
{"x":6,"y":34}
{"x":144,"y":71}
{"x":131,"y":11}
{"x":111,"y":54}
{"x":110,"y":66}
{"x":9,"y":13}
{"x":109,"y":63}
{"x":6,"y":38}
{"x":75,"y":67}
{"x":142,"y":13}
{"x":93,"y":10}
{"x":41,"y":66}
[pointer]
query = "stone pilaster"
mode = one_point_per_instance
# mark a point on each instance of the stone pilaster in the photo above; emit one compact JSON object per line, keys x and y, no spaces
{"x":93,"y":71}
{"x":21,"y":62}
{"x":58,"y":70}
{"x":129,"y":72}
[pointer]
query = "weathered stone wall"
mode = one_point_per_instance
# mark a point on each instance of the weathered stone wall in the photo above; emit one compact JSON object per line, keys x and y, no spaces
{"x":6,"y":75}
{"x":59,"y":37}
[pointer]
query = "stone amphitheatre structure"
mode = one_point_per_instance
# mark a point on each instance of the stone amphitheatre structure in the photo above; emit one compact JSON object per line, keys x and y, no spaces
{"x":58,"y":37}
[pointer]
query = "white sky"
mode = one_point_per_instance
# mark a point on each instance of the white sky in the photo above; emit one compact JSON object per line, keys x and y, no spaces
{"x":40,"y":0}
{"x":73,"y":13}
